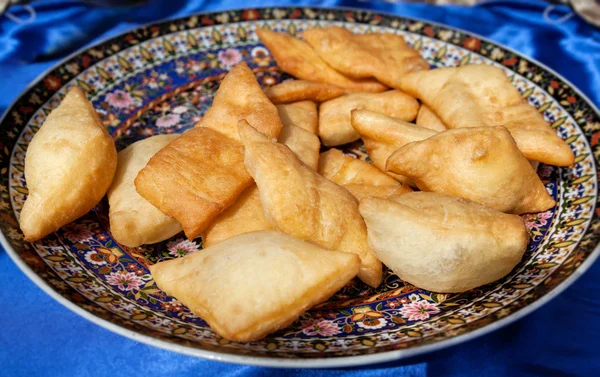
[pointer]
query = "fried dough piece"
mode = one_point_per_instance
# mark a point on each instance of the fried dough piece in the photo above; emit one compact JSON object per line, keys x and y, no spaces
{"x":301,"y":114}
{"x":443,"y":243}
{"x":384,"y":56}
{"x":247,"y":213}
{"x":360,"y":178}
{"x":303,"y":204}
{"x":256,"y":283}
{"x":302,"y":90}
{"x":244,"y":216}
{"x":201,"y":173}
{"x":481,"y":95}
{"x":335,"y":126}
{"x":427,"y":118}
{"x":69,"y":165}
{"x":482,"y":164}
{"x":304,"y":144}
{"x":133,"y":220}
{"x":296,"y":57}
{"x":384,"y":135}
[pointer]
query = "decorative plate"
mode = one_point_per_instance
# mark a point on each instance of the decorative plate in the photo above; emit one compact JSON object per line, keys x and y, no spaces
{"x":161,"y":79}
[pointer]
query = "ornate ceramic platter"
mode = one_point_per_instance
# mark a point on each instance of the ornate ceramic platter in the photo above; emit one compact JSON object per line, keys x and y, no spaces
{"x":161,"y":79}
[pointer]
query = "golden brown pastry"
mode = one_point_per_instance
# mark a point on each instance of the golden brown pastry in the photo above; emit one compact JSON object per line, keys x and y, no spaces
{"x":360,"y":178}
{"x":304,"y":144}
{"x":481,"y":95}
{"x":384,"y":56}
{"x":296,"y":57}
{"x":335,"y":127}
{"x":133,"y":220}
{"x":303,"y":204}
{"x":427,"y":118}
{"x":69,"y":165}
{"x":384,"y":135}
{"x":201,"y":173}
{"x":244,"y":216}
{"x":301,"y":114}
{"x":482,"y":164}
{"x":302,"y":90}
{"x":256,"y":283}
{"x":443,"y":243}
{"x":247,"y":213}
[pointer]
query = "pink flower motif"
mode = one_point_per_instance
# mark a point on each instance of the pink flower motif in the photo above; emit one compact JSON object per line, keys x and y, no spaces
{"x":230,"y":57}
{"x":418,"y":310}
{"x":167,"y":121}
{"x":119,"y":99}
{"x":320,"y":327}
{"x":181,"y":247}
{"x":180,"y":110}
{"x":537,"y":220}
{"x":77,"y":233}
{"x":126,"y":281}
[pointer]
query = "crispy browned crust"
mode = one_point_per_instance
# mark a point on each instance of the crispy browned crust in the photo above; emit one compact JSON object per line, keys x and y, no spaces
{"x":296,"y":57}
{"x":302,"y":90}
{"x":194,"y":178}
{"x":201,"y":173}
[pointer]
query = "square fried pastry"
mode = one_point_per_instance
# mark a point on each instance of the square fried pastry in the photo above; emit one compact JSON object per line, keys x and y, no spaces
{"x":247,"y":213}
{"x":69,"y":165}
{"x":384,"y":135}
{"x":443,"y":243}
{"x":482,"y":164}
{"x":301,"y":114}
{"x":360,"y":178}
{"x":256,"y":283}
{"x":335,"y":126}
{"x":481,"y":95}
{"x":296,"y":57}
{"x":133,"y":220}
{"x":384,"y":56}
{"x":303,"y":204}
{"x":302,"y":90}
{"x":201,"y":173}
{"x":427,"y":118}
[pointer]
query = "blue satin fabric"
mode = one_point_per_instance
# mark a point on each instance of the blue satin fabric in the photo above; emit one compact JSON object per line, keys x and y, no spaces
{"x":40,"y":337}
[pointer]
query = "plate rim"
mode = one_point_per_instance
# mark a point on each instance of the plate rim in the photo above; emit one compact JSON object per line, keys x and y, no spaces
{"x":312,"y":363}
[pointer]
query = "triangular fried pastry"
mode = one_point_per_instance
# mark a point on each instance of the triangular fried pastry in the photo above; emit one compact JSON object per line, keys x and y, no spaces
{"x":202,"y":172}
{"x":256,"y":283}
{"x":303,"y":204}
{"x":482,"y":95}
{"x":335,"y":126}
{"x":360,"y":178}
{"x":302,"y":90}
{"x":443,"y":243}
{"x":384,"y":56}
{"x":384,"y":135}
{"x":301,"y":114}
{"x":427,"y":118}
{"x":296,"y":57}
{"x":69,"y":165}
{"x":247,"y":213}
{"x":482,"y":164}
{"x":133,"y":220}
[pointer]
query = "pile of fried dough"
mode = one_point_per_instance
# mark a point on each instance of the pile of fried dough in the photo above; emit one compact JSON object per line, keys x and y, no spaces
{"x":285,"y":226}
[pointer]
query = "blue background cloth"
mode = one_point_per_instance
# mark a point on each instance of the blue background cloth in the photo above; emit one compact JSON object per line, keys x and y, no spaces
{"x":39,"y":337}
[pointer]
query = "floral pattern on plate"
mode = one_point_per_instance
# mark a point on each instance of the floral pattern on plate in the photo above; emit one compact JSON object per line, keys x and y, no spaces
{"x":162,"y":78}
